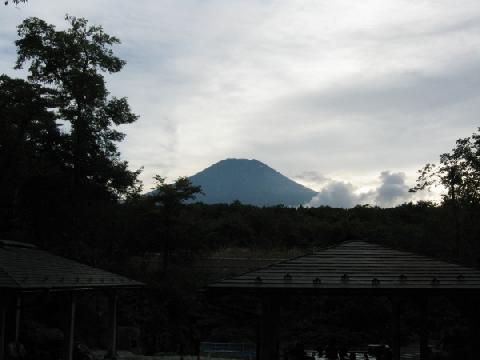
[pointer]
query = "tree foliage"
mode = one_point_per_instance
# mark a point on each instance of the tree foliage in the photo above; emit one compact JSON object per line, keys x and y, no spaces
{"x":170,"y":198}
{"x":16,"y":2}
{"x":458,"y":171}
{"x":72,"y":62}
{"x":30,"y":141}
{"x":62,"y":174}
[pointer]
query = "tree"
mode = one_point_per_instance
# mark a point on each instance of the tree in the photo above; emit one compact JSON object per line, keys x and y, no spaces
{"x":68,"y":65}
{"x":71,"y":63}
{"x":30,"y":141}
{"x":16,"y":2}
{"x":459,"y":173}
{"x":170,"y":198}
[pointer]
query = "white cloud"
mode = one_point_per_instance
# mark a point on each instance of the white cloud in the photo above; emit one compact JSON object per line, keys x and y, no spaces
{"x":391,"y":191}
{"x":336,"y":194}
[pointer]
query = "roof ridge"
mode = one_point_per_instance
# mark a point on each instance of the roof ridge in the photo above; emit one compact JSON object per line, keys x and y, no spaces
{"x":18,"y":244}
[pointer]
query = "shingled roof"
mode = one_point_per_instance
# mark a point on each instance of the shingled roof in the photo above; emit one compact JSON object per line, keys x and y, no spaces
{"x":23,"y":267}
{"x":356,"y":266}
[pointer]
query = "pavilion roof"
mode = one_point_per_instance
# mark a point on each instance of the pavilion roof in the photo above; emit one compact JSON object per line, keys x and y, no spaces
{"x":23,"y":267}
{"x":356,"y":266}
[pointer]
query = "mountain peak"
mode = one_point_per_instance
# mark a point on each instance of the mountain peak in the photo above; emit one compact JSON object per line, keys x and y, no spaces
{"x":251,"y":182}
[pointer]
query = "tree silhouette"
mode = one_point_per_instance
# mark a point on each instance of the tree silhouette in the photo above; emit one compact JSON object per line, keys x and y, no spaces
{"x":71,"y":64}
{"x":30,"y":141}
{"x":16,"y":2}
{"x":170,"y":198}
{"x":459,"y":173}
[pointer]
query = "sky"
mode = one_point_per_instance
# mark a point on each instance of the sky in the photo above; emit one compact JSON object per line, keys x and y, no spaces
{"x":350,"y":98}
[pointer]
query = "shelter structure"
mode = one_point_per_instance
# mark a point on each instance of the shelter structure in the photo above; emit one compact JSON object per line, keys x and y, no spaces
{"x":351,"y":269}
{"x":27,"y":269}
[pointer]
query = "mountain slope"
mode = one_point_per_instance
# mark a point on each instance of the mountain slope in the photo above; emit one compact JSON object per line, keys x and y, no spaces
{"x":250,"y":182}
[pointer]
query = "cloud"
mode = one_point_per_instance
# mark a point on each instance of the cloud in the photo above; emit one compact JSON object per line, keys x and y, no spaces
{"x":405,"y":92}
{"x":349,"y":88}
{"x":336,"y":194}
{"x":393,"y":189}
{"x":391,"y":192}
{"x":311,"y":176}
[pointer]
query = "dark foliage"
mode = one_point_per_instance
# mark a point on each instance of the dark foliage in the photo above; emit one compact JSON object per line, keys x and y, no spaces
{"x":16,"y":2}
{"x":459,"y":173}
{"x":61,"y":171}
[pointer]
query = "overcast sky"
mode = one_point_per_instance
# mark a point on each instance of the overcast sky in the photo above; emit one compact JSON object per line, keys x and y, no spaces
{"x":347,"y":97}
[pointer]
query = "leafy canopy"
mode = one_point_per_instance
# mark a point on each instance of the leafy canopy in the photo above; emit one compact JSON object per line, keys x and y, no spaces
{"x":29,"y":133}
{"x":30,"y":141}
{"x":71,"y":63}
{"x":16,"y":2}
{"x":172,"y":196}
{"x":458,"y":172}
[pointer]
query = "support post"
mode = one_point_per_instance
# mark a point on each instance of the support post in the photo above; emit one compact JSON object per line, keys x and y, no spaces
{"x":3,"y":320}
{"x":268,"y":342}
{"x":70,"y":334}
{"x":112,"y":324}
{"x":424,"y":350}
{"x":18,"y":313}
{"x":395,"y":327}
{"x":472,"y":313}
{"x":259,"y":317}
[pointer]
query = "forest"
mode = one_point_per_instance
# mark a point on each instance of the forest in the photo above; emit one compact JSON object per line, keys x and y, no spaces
{"x":64,"y":187}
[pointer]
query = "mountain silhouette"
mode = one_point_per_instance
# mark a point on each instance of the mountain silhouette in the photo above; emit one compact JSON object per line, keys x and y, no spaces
{"x":250,"y":182}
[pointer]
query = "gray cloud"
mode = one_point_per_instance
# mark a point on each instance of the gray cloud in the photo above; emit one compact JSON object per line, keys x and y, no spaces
{"x":398,"y":94}
{"x":312,"y":176}
{"x":393,"y":189}
{"x":336,"y":194}
{"x":391,"y":192}
{"x":409,"y":92}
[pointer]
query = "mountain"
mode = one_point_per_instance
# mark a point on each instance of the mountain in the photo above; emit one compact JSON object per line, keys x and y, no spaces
{"x":250,"y":182}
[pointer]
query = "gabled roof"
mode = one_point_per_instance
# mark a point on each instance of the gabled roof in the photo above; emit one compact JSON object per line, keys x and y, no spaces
{"x":356,"y":266}
{"x":23,"y":267}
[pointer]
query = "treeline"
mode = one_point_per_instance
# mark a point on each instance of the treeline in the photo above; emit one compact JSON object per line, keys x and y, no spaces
{"x":422,"y":227}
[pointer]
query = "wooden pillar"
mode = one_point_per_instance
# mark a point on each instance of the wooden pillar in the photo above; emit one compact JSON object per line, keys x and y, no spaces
{"x":259,"y":321}
{"x":18,"y":313}
{"x":423,"y":329}
{"x":70,"y":333}
{"x":268,"y":341}
{"x":395,"y":327}
{"x":112,"y":324}
{"x":474,"y":325}
{"x":473,"y":338}
{"x":3,"y":320}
